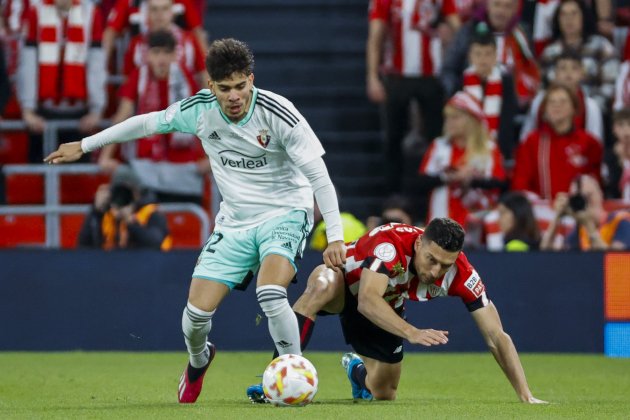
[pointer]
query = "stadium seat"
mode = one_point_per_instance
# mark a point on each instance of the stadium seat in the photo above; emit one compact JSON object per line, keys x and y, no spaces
{"x":70,"y":228}
{"x":80,"y":188}
{"x":25,"y":230}
{"x":185,"y":228}
{"x":25,"y":189}
{"x":13,"y":147}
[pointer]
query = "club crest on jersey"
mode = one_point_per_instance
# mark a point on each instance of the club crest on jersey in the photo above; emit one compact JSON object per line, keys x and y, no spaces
{"x":263,"y":137}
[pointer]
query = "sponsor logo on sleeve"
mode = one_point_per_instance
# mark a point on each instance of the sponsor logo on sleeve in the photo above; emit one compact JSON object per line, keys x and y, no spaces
{"x":474,"y":284}
{"x":385,"y":252}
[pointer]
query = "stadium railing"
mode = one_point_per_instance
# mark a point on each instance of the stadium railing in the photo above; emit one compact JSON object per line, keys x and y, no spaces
{"x":52,"y":209}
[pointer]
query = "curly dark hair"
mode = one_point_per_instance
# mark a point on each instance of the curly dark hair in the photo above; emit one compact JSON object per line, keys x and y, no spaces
{"x":228,"y":56}
{"x":446,"y":233}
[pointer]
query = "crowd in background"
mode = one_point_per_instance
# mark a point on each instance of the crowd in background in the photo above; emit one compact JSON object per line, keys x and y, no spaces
{"x":528,"y":147}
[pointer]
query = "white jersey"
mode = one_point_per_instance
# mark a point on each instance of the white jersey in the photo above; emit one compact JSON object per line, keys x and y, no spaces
{"x":255,"y":161}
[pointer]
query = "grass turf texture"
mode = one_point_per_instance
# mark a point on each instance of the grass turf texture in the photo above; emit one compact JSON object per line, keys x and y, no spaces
{"x":144,"y":385}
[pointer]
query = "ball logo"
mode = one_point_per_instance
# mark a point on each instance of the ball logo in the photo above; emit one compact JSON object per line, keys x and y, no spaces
{"x":385,"y":252}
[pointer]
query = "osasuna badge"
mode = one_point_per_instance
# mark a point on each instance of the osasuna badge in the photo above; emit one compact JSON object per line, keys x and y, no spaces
{"x":263,"y":137}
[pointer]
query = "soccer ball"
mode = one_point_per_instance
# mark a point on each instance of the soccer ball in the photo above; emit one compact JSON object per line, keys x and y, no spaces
{"x":290,"y":380}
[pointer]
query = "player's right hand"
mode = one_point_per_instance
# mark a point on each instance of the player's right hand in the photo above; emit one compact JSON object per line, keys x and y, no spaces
{"x":335,"y":255}
{"x":534,"y":400}
{"x":67,"y":152}
{"x":428,"y":337}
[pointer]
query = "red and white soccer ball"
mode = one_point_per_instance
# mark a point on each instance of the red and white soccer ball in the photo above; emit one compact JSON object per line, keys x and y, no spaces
{"x":290,"y":380}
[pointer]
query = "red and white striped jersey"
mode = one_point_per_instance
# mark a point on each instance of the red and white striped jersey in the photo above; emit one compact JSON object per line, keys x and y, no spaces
{"x":389,"y":250}
{"x":413,"y":49}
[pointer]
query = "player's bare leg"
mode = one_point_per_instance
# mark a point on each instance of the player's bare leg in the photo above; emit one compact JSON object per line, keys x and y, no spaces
{"x":324,"y":291}
{"x":382,"y":378}
{"x":203,"y":299}
{"x":275,"y":274}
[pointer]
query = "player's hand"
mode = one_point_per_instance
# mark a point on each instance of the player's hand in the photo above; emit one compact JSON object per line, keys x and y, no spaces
{"x":67,"y":152}
{"x":428,"y":337}
{"x":532,"y":400}
{"x":335,"y":255}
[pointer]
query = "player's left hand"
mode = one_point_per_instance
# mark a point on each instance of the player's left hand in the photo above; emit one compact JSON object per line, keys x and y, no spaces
{"x":335,"y":255}
{"x":533,"y":400}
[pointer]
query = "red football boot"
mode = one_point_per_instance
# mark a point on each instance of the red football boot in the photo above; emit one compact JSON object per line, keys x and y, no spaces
{"x":189,"y":391}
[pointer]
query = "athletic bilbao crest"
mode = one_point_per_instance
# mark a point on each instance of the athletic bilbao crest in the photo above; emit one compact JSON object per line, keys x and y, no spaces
{"x":263,"y":137}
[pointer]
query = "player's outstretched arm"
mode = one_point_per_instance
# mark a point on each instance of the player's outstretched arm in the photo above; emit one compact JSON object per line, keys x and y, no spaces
{"x":133,"y":128}
{"x":373,"y":307}
{"x":503,"y":350}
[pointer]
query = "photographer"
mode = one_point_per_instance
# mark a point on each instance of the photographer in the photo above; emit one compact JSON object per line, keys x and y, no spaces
{"x":595,"y":229}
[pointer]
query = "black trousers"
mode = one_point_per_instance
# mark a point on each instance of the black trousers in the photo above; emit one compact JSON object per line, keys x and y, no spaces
{"x":429,"y":94}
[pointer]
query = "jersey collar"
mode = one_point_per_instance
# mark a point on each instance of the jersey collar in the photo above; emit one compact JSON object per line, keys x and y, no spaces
{"x":249,"y":114}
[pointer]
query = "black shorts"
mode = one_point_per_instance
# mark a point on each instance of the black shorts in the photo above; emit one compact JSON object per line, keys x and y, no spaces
{"x":366,"y":338}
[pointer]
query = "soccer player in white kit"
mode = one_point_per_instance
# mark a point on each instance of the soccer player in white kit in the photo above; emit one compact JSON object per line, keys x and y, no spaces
{"x":267,"y":163}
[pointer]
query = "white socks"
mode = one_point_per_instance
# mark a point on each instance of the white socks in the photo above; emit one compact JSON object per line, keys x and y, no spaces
{"x":283,"y":325}
{"x":196,"y":325}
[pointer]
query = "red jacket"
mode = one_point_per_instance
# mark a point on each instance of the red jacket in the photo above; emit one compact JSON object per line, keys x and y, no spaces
{"x":547,"y":162}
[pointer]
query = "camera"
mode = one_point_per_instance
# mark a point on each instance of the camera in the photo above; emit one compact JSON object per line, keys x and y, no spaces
{"x":577,"y":201}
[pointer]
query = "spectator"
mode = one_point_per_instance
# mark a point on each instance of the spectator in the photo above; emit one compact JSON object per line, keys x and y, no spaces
{"x":463,"y":168}
{"x":171,"y":165}
{"x":618,"y":160}
{"x":596,"y":229}
{"x":622,"y":87}
{"x":396,"y":209}
{"x":517,"y":223}
{"x":569,"y":71}
{"x":402,"y":39}
{"x":494,"y":88}
{"x":161,"y":18}
{"x":121,"y":219}
{"x":61,"y":74}
{"x":555,"y":153}
{"x":132,"y":14}
{"x":573,"y":28}
{"x":513,"y":50}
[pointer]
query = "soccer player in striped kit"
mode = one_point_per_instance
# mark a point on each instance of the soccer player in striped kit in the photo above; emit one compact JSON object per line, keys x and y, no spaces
{"x":384,"y":268}
{"x":267,"y":162}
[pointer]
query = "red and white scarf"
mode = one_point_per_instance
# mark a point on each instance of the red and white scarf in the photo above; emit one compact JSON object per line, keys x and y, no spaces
{"x":62,"y":64}
{"x":490,"y":95}
{"x":160,"y":146}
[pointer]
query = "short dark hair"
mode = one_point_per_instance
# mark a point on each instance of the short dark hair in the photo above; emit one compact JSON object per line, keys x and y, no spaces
{"x":161,"y":39}
{"x":482,"y":35}
{"x":446,"y":233}
{"x":569,"y":54}
{"x":227,"y":56}
{"x":621,"y":115}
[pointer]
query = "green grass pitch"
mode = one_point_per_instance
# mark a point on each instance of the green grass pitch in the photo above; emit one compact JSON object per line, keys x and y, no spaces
{"x":144,"y":385}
